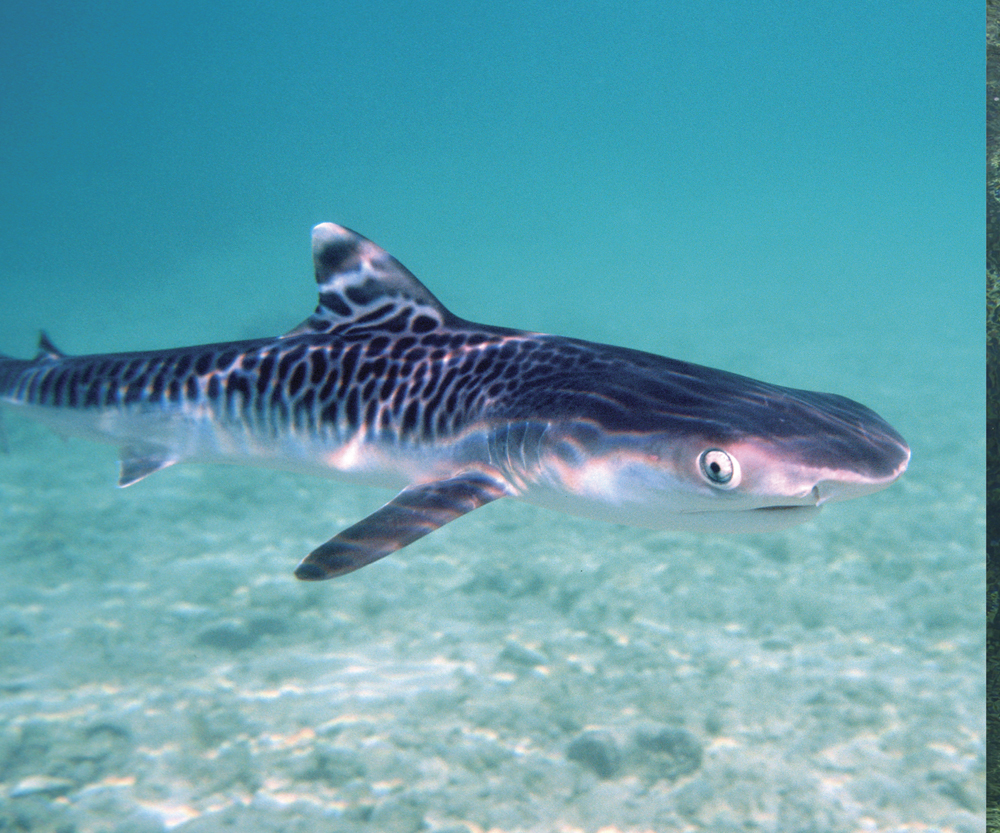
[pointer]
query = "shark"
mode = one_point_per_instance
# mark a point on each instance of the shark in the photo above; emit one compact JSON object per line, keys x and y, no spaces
{"x":383,"y":385}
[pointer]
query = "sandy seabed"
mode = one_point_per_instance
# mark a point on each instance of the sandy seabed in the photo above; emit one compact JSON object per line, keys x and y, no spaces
{"x":160,"y":668}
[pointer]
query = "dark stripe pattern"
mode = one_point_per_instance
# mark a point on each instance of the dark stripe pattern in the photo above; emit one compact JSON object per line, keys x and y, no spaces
{"x":406,"y":376}
{"x":399,"y":375}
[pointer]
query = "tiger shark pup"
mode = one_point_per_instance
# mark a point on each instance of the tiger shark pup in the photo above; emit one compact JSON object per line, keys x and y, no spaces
{"x":383,"y":385}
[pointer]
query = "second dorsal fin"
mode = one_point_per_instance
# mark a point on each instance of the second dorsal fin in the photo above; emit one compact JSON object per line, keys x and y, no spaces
{"x":46,"y":349}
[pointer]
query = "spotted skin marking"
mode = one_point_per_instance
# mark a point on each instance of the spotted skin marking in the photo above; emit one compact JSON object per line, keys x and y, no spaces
{"x":382,"y":384}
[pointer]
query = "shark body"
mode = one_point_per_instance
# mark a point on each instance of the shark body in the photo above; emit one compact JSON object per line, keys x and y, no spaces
{"x":383,"y":385}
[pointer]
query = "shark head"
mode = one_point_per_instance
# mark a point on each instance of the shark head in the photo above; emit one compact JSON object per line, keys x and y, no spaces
{"x":666,"y":444}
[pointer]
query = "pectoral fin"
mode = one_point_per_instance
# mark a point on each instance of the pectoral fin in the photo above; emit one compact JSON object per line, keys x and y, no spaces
{"x":410,"y":515}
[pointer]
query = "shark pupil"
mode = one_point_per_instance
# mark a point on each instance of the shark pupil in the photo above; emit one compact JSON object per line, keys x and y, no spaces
{"x":717,"y":466}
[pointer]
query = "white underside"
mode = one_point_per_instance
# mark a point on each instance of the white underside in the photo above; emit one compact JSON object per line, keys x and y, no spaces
{"x":720,"y":519}
{"x":188,"y":435}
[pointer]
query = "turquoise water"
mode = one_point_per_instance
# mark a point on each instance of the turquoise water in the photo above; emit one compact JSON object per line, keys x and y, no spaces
{"x":792,"y":194}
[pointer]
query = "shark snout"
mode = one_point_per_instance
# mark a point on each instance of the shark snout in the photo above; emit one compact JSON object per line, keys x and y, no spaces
{"x":848,"y":484}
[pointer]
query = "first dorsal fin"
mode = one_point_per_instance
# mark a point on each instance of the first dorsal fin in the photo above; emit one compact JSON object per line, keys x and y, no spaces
{"x":46,"y":349}
{"x":356,"y":277}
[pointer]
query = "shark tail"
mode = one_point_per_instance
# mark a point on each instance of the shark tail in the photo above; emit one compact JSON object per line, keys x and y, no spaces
{"x":12,"y":372}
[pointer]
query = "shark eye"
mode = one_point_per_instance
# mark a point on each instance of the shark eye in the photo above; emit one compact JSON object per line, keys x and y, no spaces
{"x":719,"y":468}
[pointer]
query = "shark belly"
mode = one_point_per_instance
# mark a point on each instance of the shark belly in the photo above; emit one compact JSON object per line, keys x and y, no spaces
{"x":664,"y":516}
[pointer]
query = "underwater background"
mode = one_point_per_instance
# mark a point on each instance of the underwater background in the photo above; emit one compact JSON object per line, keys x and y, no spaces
{"x":788,"y":192}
